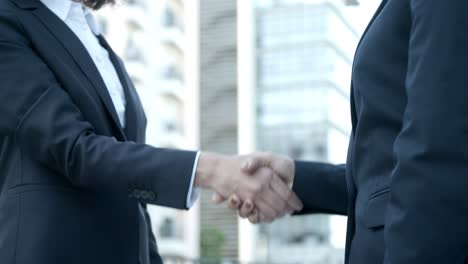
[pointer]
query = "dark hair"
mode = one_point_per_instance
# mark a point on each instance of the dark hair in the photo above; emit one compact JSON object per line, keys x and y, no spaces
{"x":96,"y":4}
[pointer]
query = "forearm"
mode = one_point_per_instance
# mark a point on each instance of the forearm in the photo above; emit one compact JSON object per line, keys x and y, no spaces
{"x":205,"y":172}
{"x":321,"y":187}
{"x":54,"y":134}
{"x":51,"y":130}
{"x":216,"y":172}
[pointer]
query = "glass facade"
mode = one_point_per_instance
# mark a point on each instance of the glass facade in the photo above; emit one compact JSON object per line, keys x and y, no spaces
{"x":303,"y":77}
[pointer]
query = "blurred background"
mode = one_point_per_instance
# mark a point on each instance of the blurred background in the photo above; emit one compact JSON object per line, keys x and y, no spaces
{"x":234,"y":77}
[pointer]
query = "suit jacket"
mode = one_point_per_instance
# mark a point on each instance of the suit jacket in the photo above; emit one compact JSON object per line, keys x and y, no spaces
{"x":71,"y":178}
{"x":404,"y":187}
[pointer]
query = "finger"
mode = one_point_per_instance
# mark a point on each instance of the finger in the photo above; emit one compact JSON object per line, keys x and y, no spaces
{"x":275,"y":202}
{"x":266,"y":210}
{"x":280,"y":189}
{"x":217,"y":198}
{"x":265,"y":219}
{"x":247,"y":209}
{"x":234,"y":202}
{"x":295,"y":202}
{"x":254,"y":217}
{"x":285,"y":192}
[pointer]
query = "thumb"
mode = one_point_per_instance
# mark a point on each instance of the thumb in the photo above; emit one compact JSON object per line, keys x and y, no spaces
{"x":285,"y":168}
{"x":254,"y":162}
{"x":217,"y":198}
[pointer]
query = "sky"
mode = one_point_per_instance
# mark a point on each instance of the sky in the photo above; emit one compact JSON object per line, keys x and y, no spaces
{"x":362,"y":14}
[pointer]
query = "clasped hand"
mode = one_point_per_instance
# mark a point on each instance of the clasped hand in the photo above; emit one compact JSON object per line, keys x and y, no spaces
{"x":258,"y":185}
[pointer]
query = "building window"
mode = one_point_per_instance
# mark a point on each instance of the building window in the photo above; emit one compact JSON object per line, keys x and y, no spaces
{"x":132,"y":52}
{"x":140,"y":3}
{"x":171,"y":126}
{"x":167,"y":228}
{"x":169,"y":18}
{"x":173,"y":73}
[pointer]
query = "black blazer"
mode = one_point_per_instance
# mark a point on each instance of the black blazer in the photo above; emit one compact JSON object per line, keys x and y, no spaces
{"x":70,"y":177}
{"x":405,"y":185}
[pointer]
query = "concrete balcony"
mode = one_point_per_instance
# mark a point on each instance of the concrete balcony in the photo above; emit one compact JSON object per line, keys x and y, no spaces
{"x":171,"y":88}
{"x":173,"y":37}
{"x":136,"y":14}
{"x":137,"y":71}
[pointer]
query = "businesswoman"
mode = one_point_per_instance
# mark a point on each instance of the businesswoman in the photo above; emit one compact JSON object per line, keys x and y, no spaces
{"x":405,"y":185}
{"x":68,"y":114}
{"x":75,"y":174}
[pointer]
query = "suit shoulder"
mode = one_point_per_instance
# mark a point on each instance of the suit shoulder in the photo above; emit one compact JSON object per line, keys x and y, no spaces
{"x":7,"y":7}
{"x":11,"y":28}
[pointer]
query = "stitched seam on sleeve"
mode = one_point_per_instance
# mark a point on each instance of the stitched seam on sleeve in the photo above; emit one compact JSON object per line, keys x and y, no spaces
{"x":30,"y":109}
{"x":13,"y":44}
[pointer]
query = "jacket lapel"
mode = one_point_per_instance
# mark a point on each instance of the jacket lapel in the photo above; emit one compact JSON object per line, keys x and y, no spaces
{"x":350,"y":173}
{"x":132,"y":111}
{"x":377,"y":12}
{"x":353,"y":103}
{"x":80,"y":55}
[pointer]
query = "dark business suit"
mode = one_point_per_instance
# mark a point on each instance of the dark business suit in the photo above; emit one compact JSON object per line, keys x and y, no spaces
{"x":405,"y":185}
{"x":71,"y":179}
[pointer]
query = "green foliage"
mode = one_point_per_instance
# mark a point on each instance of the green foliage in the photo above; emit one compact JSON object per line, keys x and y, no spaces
{"x":212,"y":242}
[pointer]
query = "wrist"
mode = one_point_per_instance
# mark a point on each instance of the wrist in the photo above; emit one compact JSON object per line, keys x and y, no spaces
{"x":207,"y":169}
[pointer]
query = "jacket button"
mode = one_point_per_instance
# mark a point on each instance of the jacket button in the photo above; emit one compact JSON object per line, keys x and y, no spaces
{"x":137,"y":194}
{"x":152,"y":195}
{"x":144,"y":195}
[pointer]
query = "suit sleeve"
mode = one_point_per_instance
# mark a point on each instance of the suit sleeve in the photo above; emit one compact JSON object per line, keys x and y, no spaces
{"x":49,"y":128}
{"x":321,"y":187}
{"x":428,"y":211}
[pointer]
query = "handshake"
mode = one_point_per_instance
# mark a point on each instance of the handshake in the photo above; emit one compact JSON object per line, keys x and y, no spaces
{"x":258,"y":185}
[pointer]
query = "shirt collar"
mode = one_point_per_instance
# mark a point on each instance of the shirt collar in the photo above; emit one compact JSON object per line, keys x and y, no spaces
{"x":92,"y":22}
{"x":61,"y":8}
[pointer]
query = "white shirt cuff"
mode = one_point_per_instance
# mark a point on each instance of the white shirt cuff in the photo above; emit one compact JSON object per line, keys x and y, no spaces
{"x":193,"y":193}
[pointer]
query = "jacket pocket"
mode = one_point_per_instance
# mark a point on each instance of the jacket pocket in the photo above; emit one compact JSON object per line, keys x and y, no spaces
{"x":39,"y":187}
{"x":376,"y":209}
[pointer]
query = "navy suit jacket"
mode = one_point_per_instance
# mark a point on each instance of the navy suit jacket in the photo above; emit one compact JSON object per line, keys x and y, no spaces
{"x":405,"y":184}
{"x":71,"y":178}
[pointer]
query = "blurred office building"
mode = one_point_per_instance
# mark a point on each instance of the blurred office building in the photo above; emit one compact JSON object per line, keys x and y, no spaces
{"x":275,"y":75}
{"x":218,"y":117}
{"x":302,"y":58}
{"x":152,"y":38}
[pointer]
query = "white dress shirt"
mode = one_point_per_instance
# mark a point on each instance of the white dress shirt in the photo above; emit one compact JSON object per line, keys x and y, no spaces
{"x":82,"y":22}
